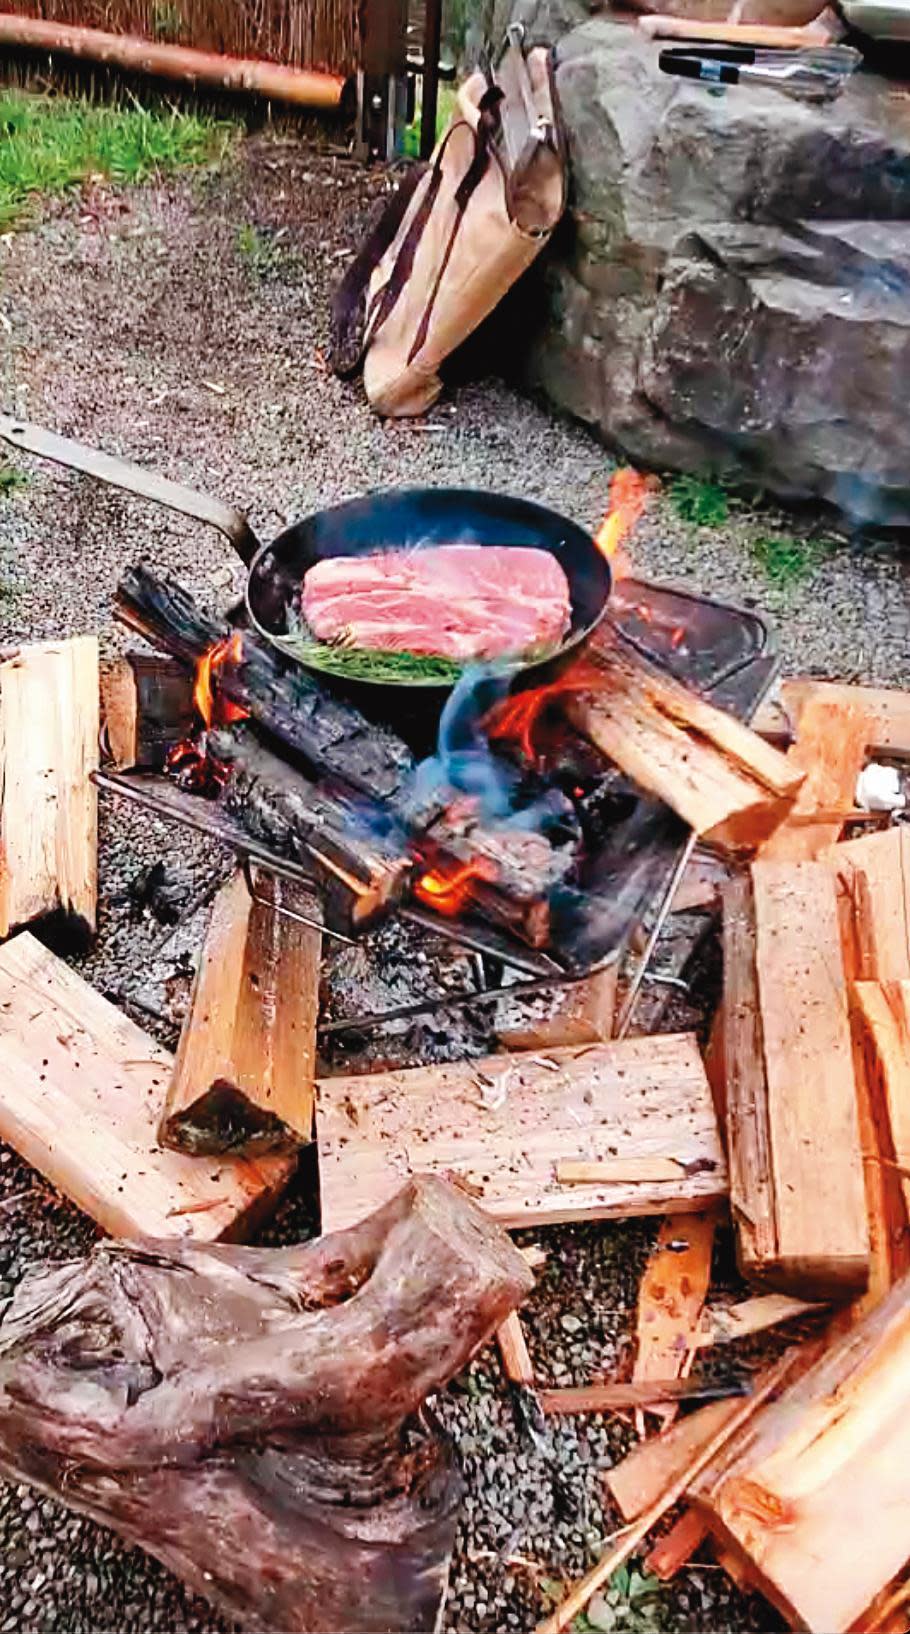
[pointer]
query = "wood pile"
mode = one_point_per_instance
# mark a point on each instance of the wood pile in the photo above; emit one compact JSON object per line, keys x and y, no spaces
{"x":793,"y":1127}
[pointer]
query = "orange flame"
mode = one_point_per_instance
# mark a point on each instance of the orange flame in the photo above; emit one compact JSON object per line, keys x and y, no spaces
{"x":629,"y":494}
{"x":448,"y":892}
{"x":230,"y":647}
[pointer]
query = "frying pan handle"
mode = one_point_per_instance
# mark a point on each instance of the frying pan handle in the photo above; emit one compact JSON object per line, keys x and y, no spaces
{"x":134,"y":479}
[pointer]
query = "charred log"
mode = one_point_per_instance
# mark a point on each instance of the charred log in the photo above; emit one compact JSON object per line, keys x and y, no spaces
{"x":359,"y":875}
{"x":252,"y":1417}
{"x":328,"y":733}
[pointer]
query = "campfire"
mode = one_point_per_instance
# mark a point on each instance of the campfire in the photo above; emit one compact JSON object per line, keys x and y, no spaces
{"x":541,"y":821}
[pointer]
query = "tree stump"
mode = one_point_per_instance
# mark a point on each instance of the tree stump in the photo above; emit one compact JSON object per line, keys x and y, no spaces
{"x":254,"y":1417}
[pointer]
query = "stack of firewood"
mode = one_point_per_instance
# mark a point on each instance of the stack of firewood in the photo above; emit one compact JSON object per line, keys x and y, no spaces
{"x":797,"y":1118}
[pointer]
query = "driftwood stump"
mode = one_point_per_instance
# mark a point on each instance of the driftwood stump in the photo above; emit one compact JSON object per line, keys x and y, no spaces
{"x":253,"y":1417}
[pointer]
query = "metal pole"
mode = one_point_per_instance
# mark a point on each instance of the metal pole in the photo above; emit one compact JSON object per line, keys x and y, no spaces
{"x":432,"y":43}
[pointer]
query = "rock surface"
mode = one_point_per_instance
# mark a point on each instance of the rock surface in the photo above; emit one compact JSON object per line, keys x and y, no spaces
{"x":732,"y":289}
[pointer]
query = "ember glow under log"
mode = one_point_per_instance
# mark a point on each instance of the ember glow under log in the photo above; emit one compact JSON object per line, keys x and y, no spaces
{"x":253,"y":1417}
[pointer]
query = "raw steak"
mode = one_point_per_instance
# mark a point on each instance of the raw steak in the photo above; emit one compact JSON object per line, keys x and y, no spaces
{"x":455,"y":601}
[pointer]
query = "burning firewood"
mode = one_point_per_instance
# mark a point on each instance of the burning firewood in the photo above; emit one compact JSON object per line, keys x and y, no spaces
{"x":330,"y":734}
{"x":148,"y":708}
{"x":253,"y":1417}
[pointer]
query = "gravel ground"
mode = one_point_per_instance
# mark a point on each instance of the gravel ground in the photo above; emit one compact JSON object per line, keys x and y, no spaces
{"x":183,"y":325}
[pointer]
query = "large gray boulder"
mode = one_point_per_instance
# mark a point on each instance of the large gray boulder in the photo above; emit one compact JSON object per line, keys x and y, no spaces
{"x":733,"y":289}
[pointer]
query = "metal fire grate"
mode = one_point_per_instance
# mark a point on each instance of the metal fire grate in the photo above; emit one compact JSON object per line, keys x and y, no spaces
{"x":725,"y":652}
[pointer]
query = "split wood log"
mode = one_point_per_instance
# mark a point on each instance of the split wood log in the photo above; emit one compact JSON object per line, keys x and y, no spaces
{"x":360,"y":876}
{"x":872,"y":877}
{"x":887,"y":712}
{"x":502,"y":1123}
{"x":250,"y":1416}
{"x":796,"y":1174}
{"x":618,"y":1396}
{"x":826,"y":1465}
{"x":731,"y":787}
{"x":830,"y":748}
{"x":670,"y":1298}
{"x":885,"y":1009}
{"x":609,"y":1562}
{"x":636,"y":1483}
{"x":328,"y":733}
{"x":244,"y":1076}
{"x":80,"y":1091}
{"x":722,"y":1325}
{"x":513,"y":1349}
{"x":612,"y":1171}
{"x":582,"y":1013}
{"x":49,"y":723}
{"x":677,"y":1547}
{"x":147,"y":708}
{"x":507,"y":873}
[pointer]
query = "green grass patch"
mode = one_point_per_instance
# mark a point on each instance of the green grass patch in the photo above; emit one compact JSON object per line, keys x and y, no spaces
{"x":785,"y":560}
{"x":51,"y":144}
{"x":11,"y":480}
{"x":701,"y":503}
{"x":446,"y":103}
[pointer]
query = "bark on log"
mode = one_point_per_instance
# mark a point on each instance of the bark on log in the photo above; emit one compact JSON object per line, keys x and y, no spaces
{"x":329,"y":734}
{"x":300,"y":87}
{"x":250,"y":1416}
{"x":148,"y":708}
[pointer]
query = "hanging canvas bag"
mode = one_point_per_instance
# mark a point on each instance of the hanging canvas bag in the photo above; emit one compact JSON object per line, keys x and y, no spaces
{"x":451,"y":245}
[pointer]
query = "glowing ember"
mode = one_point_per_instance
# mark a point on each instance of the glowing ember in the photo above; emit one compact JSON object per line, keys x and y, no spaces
{"x":230,"y":647}
{"x":448,"y":892}
{"x":194,"y":770}
{"x":629,"y":494}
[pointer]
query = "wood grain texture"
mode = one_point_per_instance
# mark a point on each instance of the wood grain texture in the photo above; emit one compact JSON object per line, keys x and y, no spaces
{"x":245,"y":1071}
{"x":887,"y":712}
{"x":513,"y":1350}
{"x":49,"y":723}
{"x":830,"y":748}
{"x":816,"y":1166}
{"x":501,"y":1124}
{"x":80,"y":1090}
{"x":724,"y":1324}
{"x":671,"y":1296}
{"x":874,"y":877}
{"x":745,"y":1093}
{"x":147,"y":707}
{"x":582,"y":1014}
{"x":671,"y":1552}
{"x":885,"y":1009}
{"x":637,"y":1482}
{"x":816,"y":1490}
{"x":731,"y":787}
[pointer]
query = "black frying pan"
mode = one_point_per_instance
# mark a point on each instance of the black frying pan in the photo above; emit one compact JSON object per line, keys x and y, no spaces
{"x":397,"y":518}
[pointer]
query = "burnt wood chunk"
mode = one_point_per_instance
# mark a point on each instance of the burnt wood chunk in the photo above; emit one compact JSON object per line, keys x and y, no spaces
{"x":506,"y":873}
{"x":360,"y":875}
{"x":244,"y":1076}
{"x":148,"y":708}
{"x":328,"y":733}
{"x":254,"y":1417}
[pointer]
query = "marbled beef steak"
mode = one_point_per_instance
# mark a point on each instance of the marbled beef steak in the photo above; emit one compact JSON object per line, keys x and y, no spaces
{"x":455,"y":601}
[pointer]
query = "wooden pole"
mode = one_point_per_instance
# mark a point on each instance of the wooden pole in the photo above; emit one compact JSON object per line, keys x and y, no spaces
{"x":301,"y":87}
